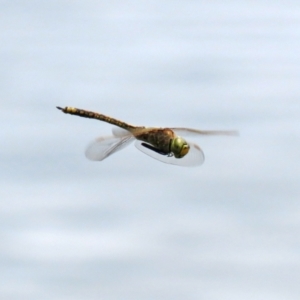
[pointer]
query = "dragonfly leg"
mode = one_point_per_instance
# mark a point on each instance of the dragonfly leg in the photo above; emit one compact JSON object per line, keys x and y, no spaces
{"x":154,"y":149}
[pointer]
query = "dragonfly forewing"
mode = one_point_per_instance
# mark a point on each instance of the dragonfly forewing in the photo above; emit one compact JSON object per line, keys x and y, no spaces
{"x":195,"y":132}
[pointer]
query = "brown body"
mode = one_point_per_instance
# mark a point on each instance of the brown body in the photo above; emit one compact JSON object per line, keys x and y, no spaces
{"x":159,"y":138}
{"x":93,"y":115}
{"x":162,"y":144}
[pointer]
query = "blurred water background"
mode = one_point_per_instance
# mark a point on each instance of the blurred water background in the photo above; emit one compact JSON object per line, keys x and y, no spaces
{"x":131,"y":227}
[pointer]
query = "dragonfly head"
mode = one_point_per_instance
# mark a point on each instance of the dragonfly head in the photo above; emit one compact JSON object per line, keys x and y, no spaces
{"x":179,"y":147}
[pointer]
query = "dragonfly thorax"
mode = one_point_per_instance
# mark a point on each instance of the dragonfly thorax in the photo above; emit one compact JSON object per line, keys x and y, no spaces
{"x":179,"y":147}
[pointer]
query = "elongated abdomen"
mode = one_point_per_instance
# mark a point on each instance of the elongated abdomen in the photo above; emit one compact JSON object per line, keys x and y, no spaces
{"x":93,"y":115}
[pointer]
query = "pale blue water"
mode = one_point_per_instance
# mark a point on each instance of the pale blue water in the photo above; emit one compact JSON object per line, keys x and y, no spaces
{"x":131,"y":227}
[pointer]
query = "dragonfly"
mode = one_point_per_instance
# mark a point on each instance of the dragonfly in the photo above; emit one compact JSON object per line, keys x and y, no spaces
{"x":164,"y":144}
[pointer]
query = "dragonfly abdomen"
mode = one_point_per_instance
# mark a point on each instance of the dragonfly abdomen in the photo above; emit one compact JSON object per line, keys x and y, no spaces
{"x":93,"y":115}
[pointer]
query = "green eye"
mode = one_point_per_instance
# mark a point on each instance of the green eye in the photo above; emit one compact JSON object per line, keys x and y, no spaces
{"x":185,"y":149}
{"x":179,"y":147}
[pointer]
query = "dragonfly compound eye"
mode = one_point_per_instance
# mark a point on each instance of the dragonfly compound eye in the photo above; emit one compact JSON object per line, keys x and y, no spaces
{"x":184,"y":150}
{"x":179,"y":147}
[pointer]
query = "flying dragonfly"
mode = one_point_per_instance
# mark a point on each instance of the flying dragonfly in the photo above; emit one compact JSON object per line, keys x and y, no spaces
{"x":164,"y":144}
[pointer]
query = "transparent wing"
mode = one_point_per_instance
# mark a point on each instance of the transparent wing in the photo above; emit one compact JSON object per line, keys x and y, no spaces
{"x":105,"y":146}
{"x":195,"y":157}
{"x":196,"y":132}
{"x":120,"y":132}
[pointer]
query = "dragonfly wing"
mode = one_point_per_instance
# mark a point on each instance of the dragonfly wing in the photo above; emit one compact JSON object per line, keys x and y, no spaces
{"x":120,"y":132}
{"x":196,"y":132}
{"x":195,"y":157}
{"x":105,"y":146}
